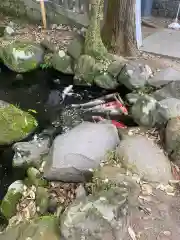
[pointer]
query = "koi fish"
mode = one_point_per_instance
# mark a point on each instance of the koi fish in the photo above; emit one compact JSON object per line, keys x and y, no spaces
{"x":66,"y":91}
{"x":115,"y":123}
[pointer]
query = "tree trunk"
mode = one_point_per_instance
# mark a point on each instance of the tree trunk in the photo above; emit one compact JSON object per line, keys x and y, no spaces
{"x":119,"y":30}
{"x":93,"y":42}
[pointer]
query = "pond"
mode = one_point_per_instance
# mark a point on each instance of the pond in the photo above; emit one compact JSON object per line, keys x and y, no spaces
{"x":41,"y":93}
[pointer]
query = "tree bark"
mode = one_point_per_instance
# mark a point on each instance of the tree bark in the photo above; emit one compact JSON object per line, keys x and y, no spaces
{"x":119,"y":30}
{"x":93,"y":41}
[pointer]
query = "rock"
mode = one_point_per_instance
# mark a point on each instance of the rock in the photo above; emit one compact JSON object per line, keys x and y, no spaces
{"x":171,"y":90}
{"x":43,"y":228}
{"x":9,"y":31}
{"x":30,"y":153}
{"x":75,"y":153}
{"x":169,"y":108}
{"x":84,"y":70}
{"x":98,"y":217}
{"x":144,"y":111}
{"x":15,"y":124}
{"x":80,"y":192}
{"x":134,"y":75}
{"x":12,"y":197}
{"x":153,"y":167}
{"x":106,"y":81}
{"x":35,"y":177}
{"x":42,"y":200}
{"x":164,"y":77}
{"x":132,"y":97}
{"x":172,"y":140}
{"x":75,"y":48}
{"x":2,"y":28}
{"x":62,"y":62}
{"x":22,"y":57}
{"x":115,"y":68}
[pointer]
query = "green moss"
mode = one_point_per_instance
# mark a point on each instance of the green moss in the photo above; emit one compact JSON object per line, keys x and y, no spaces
{"x":35,"y":177}
{"x":93,"y":42}
{"x":9,"y":203}
{"x":42,"y":199}
{"x":9,"y":55}
{"x":15,"y":124}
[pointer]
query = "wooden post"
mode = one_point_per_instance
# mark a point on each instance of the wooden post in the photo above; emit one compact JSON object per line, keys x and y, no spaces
{"x":43,"y":13}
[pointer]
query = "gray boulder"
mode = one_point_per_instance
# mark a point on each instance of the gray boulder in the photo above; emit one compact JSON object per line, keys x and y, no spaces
{"x":142,"y":156}
{"x":75,"y":153}
{"x":164,"y":77}
{"x":99,"y":217}
{"x":144,"y":111}
{"x":172,"y":140}
{"x":30,"y":153}
{"x":134,"y":75}
{"x":169,"y":108}
{"x":22,"y":57}
{"x":171,"y":90}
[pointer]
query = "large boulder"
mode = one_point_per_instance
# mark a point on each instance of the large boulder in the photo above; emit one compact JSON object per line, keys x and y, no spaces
{"x":134,"y":75}
{"x":164,"y":77}
{"x":142,"y":156}
{"x":75,"y":153}
{"x":171,"y":90}
{"x":172,"y":139}
{"x":169,"y":108}
{"x":104,"y":216}
{"x":43,"y":228}
{"x":15,"y":124}
{"x":22,"y":57}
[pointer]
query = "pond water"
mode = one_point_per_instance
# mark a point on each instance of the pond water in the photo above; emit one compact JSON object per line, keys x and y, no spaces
{"x":40,"y":91}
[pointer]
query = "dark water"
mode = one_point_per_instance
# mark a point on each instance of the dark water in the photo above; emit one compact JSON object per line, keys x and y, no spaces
{"x":40,"y":91}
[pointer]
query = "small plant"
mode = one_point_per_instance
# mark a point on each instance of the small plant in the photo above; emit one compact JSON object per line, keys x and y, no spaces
{"x":98,"y":184}
{"x":44,"y":66}
{"x":47,"y":61}
{"x":112,"y":159}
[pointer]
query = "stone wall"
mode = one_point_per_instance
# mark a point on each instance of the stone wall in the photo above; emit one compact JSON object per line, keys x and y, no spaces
{"x":165,"y":8}
{"x":31,"y":9}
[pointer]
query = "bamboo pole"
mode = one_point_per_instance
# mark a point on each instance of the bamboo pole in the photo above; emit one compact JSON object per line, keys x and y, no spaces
{"x":43,"y":14}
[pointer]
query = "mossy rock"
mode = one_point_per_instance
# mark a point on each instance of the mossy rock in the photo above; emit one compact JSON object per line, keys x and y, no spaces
{"x":62,"y":62}
{"x":106,"y":81}
{"x":115,"y":68}
{"x":42,"y":228}
{"x":35,"y":177}
{"x":22,"y":57}
{"x":84,"y":70}
{"x":42,"y":199}
{"x":9,"y":203}
{"x":75,"y":48}
{"x":15,"y":124}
